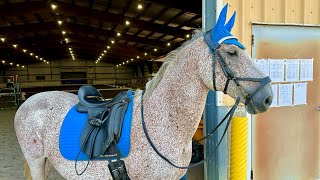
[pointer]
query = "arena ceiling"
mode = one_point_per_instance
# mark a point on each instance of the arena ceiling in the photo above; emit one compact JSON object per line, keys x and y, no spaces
{"x":121,"y":30}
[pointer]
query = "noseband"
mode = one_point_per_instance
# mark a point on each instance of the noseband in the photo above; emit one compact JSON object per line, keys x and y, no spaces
{"x":230,"y":77}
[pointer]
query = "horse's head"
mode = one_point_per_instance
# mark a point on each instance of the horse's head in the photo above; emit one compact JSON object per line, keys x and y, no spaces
{"x":232,"y":70}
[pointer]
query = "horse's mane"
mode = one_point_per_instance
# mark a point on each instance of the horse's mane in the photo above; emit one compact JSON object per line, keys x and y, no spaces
{"x":169,"y":60}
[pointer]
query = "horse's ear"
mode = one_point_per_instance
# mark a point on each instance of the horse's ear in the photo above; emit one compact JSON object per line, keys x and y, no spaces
{"x":222,"y":17}
{"x":230,"y":23}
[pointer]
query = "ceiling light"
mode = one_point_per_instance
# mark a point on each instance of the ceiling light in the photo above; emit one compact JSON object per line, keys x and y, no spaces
{"x":66,"y":39}
{"x":63,"y":32}
{"x":138,"y":57}
{"x":123,"y":63}
{"x":127,"y":23}
{"x":108,"y":47}
{"x":140,"y":6}
{"x":53,"y":6}
{"x":100,"y":57}
{"x":15,"y":45}
{"x":131,"y":59}
{"x":3,"y":62}
{"x":18,"y":65}
{"x":11,"y":64}
{"x":117,"y":65}
{"x":70,"y":48}
{"x":127,"y":61}
{"x":37,"y":57}
{"x":104,"y":51}
{"x":22,"y":66}
{"x":44,"y":61}
{"x":31,"y":54}
{"x":168,"y":44}
{"x":145,"y":54}
{"x":112,"y":41}
{"x":47,"y":62}
{"x":59,"y":22}
{"x":187,"y":36}
{"x":118,"y":34}
{"x":155,"y":49}
{"x":24,"y":50}
{"x":3,"y":39}
{"x":102,"y":54}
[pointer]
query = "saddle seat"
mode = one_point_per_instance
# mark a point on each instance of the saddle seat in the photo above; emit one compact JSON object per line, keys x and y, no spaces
{"x":104,"y":122}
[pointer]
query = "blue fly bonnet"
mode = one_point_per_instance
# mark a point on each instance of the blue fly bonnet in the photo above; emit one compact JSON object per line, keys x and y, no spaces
{"x":220,"y":34}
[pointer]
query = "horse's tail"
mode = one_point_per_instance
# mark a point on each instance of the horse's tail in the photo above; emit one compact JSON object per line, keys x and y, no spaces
{"x":27,"y":173}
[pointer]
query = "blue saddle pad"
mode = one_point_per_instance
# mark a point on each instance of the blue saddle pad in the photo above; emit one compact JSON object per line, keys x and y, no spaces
{"x":69,"y":139}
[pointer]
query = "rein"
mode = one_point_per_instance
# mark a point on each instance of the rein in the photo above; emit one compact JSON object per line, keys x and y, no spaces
{"x":230,"y":77}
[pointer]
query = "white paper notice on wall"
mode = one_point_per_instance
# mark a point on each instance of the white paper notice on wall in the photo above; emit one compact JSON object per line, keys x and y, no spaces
{"x":306,"y":69}
{"x":275,"y":95}
{"x":277,"y":70}
{"x":292,"y":70}
{"x":285,"y":94}
{"x":300,"y":93}
{"x":263,"y":65}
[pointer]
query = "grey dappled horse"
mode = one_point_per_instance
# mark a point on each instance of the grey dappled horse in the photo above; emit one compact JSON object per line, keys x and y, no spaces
{"x":173,"y":103}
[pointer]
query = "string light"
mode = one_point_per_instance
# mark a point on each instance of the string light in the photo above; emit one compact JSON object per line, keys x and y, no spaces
{"x":24,"y":50}
{"x":108,"y":47}
{"x":3,"y":39}
{"x":22,"y":66}
{"x":3,"y":62}
{"x":127,"y":23}
{"x":131,"y":59}
{"x":168,"y":44}
{"x":11,"y":64}
{"x":59,"y":22}
{"x":187,"y":36}
{"x":139,"y":6}
{"x":118,"y":34}
{"x":155,"y":49}
{"x":53,"y":6}
{"x":15,"y":45}
{"x":112,"y":41}
{"x":104,"y":51}
{"x":31,"y":54}
{"x":145,"y":54}
{"x":63,"y":32}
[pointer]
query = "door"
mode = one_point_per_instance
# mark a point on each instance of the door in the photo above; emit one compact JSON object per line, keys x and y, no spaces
{"x":286,"y":139}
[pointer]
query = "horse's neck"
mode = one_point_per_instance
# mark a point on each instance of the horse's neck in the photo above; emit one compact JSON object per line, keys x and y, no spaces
{"x":178,"y":101}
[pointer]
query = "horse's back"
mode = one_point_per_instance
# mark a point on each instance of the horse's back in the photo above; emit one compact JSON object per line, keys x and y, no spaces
{"x":41,"y":116}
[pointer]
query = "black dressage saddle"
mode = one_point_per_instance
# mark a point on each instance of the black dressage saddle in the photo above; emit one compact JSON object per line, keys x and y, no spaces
{"x":104,"y":122}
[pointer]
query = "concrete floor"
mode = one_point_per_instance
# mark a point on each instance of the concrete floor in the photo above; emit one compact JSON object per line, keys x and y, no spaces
{"x":11,"y":158}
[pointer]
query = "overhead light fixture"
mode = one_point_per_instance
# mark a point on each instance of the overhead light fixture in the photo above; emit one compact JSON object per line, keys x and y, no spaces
{"x":24,"y":50}
{"x":123,"y":63}
{"x":44,"y":61}
{"x":11,"y":64}
{"x":3,"y":62}
{"x":187,"y":36}
{"x":104,"y":51}
{"x":60,"y":22}
{"x":15,"y":45}
{"x":139,"y":6}
{"x":31,"y":54}
{"x":127,"y":23}
{"x":63,"y":32}
{"x":118,"y":34}
{"x":22,"y":66}
{"x":47,"y":62}
{"x":168,"y":44}
{"x":37,"y":57}
{"x":128,"y":61}
{"x":145,"y":54}
{"x":53,"y":6}
{"x":66,"y":39}
{"x":155,"y":49}
{"x":117,"y":65}
{"x":131,"y":59}
{"x":100,"y":57}
{"x":102,"y":54}
{"x":3,"y":39}
{"x":112,"y":41}
{"x":138,"y":57}
{"x":18,"y":65}
{"x":108,"y":47}
{"x":70,"y":48}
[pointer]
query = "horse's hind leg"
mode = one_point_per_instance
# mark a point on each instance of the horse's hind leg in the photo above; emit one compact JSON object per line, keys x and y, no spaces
{"x":37,"y":168}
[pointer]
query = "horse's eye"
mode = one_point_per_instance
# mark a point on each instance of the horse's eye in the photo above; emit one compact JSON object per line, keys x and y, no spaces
{"x":232,"y":52}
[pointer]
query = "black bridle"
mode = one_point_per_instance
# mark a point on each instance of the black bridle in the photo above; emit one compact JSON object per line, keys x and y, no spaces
{"x":230,"y":77}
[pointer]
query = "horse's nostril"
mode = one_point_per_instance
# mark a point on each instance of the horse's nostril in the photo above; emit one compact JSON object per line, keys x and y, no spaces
{"x":268,"y":101}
